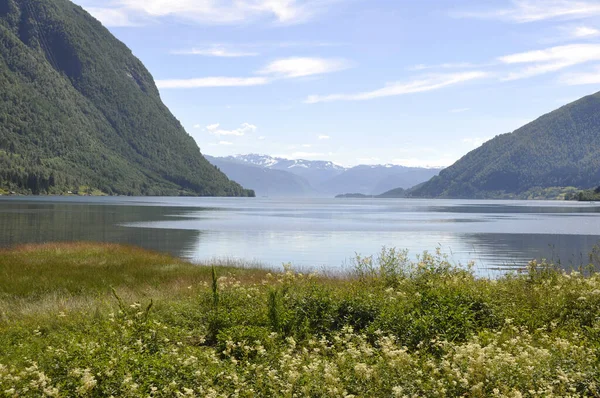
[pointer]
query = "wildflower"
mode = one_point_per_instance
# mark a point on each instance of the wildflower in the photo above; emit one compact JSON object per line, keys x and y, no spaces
{"x":363,"y":370}
{"x":88,"y":382}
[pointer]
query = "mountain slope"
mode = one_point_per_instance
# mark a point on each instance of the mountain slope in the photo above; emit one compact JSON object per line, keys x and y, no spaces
{"x":78,"y":109}
{"x":264,"y":181}
{"x":559,"y":149}
{"x":374,"y":180}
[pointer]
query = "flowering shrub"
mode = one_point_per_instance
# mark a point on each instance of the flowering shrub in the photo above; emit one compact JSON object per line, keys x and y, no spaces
{"x":401,"y":329}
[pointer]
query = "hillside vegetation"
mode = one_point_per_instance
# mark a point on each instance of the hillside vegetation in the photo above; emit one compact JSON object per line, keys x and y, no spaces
{"x":78,"y":109}
{"x":560,"y":149}
{"x":393,"y":328}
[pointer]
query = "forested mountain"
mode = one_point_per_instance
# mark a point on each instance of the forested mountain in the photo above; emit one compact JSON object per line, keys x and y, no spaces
{"x":79,"y":111}
{"x":263,"y":180}
{"x":302,"y":178}
{"x":560,"y":149}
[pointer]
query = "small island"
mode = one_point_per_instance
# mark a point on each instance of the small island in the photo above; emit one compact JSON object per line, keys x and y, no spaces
{"x":394,"y":193}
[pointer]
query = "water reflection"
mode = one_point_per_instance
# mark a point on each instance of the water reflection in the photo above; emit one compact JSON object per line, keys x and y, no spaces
{"x":32,"y":222}
{"x":314,"y":233}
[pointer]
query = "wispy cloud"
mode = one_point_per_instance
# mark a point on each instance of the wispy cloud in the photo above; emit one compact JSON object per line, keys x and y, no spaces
{"x":476,"y":141}
{"x":303,"y":66}
{"x":551,"y":59}
{"x":457,"y":65}
{"x":324,"y":137}
{"x":583,"y":78}
{"x":245,"y":128}
{"x":582,"y":32}
{"x":211,"y":12}
{"x":216,"y":51}
{"x":212,"y":82}
{"x":460,"y":110}
{"x":419,"y":85}
{"x":226,"y":143}
{"x":523,"y":11}
{"x":286,"y":68}
{"x":113,"y":17}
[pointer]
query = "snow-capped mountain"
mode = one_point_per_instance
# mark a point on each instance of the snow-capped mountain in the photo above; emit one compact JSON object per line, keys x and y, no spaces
{"x":298,"y":177}
{"x":314,"y":171}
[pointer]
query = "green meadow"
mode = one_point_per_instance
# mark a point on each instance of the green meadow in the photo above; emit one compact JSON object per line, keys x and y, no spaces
{"x":88,"y":320}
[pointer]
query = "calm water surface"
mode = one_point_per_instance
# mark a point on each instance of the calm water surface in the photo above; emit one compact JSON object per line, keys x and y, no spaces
{"x":314,"y":233}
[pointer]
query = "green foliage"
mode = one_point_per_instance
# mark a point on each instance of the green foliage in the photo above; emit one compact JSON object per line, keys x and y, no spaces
{"x":396,"y":328}
{"x":560,"y":149}
{"x":591,"y":195}
{"x":78,"y":109}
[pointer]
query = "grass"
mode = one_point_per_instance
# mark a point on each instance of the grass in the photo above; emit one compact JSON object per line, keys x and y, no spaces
{"x":108,"y":320}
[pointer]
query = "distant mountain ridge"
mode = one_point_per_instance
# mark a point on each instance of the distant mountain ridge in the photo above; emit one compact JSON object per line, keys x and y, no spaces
{"x":559,"y":149}
{"x":317,"y":178}
{"x":79,"y":112}
{"x":265,"y":181}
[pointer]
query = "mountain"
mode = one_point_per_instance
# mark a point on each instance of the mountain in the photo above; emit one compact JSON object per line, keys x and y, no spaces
{"x":560,"y":149}
{"x":263,"y":180}
{"x":314,"y":171}
{"x":79,"y":111}
{"x":316,"y":178}
{"x":374,"y":180}
{"x":394,"y":193}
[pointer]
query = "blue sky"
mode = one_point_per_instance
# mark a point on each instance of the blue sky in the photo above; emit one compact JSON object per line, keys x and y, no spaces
{"x":410,"y":82}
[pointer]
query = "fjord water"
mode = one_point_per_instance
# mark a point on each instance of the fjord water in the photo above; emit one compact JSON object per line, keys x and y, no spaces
{"x":314,"y":233}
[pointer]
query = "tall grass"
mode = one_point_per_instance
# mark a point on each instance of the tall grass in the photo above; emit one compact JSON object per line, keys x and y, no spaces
{"x":393,"y":328}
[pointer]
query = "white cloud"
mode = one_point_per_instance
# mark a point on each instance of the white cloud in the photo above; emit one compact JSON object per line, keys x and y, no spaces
{"x":306,"y":146}
{"x":523,"y":11}
{"x":576,"y":79}
{"x":210,"y":11}
{"x":551,"y":59}
{"x":303,"y":66}
{"x":197,"y":126}
{"x":113,"y":17}
{"x":217,"y":51}
{"x":476,"y":141}
{"x":212,"y":82}
{"x":244,"y":129}
{"x":324,"y":137}
{"x":460,"y":110}
{"x":458,"y":65}
{"x":262,"y":138}
{"x":423,"y":84}
{"x":226,"y":143}
{"x":283,"y":68}
{"x":584,"y":32}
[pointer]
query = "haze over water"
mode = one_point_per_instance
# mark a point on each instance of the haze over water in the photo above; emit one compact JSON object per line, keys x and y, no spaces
{"x":314,"y":233}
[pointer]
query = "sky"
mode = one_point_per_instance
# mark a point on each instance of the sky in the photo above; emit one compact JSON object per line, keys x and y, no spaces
{"x":407,"y":82}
